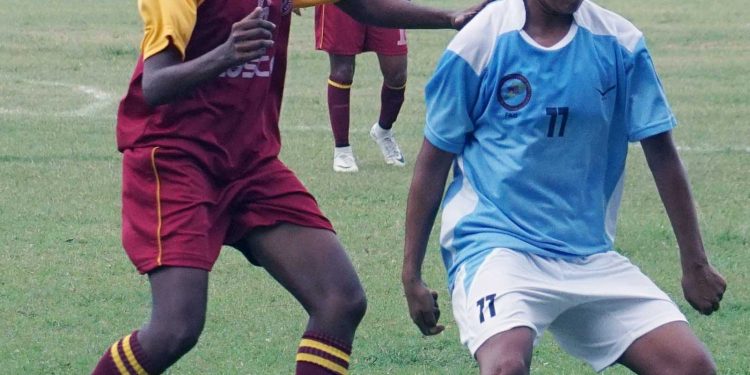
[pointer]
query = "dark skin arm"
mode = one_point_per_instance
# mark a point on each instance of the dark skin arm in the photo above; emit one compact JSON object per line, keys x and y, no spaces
{"x":166,"y":77}
{"x":403,"y":14}
{"x":702,"y":285}
{"x":425,"y":194}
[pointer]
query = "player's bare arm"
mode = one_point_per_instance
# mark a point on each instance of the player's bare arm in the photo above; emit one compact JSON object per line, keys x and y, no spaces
{"x":166,"y":76}
{"x":426,"y":191}
{"x":403,"y":14}
{"x":702,"y":285}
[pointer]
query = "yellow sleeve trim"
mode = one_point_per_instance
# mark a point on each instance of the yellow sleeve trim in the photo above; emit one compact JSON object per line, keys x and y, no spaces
{"x":167,"y":22}
{"x":310,"y":3}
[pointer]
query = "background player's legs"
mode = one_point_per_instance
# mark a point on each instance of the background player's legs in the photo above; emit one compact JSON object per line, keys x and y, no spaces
{"x":177,"y":317}
{"x":393,"y":68}
{"x":339,"y":85}
{"x":669,"y":349}
{"x":507,"y":353}
{"x":394,"y":87}
{"x":313,"y":266}
{"x":339,"y":89}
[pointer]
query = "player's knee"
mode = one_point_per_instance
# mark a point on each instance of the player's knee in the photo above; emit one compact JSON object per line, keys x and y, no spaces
{"x":344,"y":304}
{"x":342,"y":74}
{"x":353,"y":305}
{"x":699,"y":363}
{"x":506,"y":366}
{"x":689,"y":361}
{"x":178,"y":336}
{"x":185,"y":338}
{"x":395,"y":80}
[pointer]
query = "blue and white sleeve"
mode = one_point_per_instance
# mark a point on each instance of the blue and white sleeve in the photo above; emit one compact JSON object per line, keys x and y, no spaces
{"x":451,"y":96}
{"x":648,"y":112}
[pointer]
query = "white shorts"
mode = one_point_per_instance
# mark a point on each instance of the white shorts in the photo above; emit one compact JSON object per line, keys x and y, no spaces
{"x":595,"y":306}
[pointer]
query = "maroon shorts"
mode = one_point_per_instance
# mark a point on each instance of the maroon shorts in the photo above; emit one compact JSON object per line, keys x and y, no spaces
{"x":337,"y":33}
{"x":175,"y":213}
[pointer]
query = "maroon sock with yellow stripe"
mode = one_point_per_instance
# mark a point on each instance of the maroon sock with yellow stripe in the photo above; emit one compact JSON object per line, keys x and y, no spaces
{"x":125,"y":357}
{"x":391,"y":99}
{"x":322,"y":355}
{"x":338,"y":111}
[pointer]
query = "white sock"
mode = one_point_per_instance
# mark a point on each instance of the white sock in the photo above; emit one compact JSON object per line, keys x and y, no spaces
{"x":345,"y":149}
{"x":380,"y":132}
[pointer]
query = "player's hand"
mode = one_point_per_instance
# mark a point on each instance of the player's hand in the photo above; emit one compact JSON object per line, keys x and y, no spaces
{"x":249,"y":38}
{"x":703,"y":287}
{"x":461,"y":18}
{"x":423,"y":307}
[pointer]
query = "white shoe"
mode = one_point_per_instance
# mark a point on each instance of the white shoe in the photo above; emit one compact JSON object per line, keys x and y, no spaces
{"x":343,"y":160}
{"x":388,"y":146}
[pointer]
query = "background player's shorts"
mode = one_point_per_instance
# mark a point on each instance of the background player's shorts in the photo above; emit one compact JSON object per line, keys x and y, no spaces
{"x":595,"y":306}
{"x":337,"y":33}
{"x":175,"y":213}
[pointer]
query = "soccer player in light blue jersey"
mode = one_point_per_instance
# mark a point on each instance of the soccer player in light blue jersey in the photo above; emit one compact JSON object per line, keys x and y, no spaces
{"x":533,"y":105}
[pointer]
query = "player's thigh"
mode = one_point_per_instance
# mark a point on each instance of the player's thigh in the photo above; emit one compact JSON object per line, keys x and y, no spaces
{"x":656,"y":352}
{"x":280,"y":227}
{"x":179,"y":296}
{"x":309,"y":262}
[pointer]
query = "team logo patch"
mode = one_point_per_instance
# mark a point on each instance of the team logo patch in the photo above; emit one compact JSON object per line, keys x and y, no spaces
{"x":513,"y":91}
{"x":286,"y":7}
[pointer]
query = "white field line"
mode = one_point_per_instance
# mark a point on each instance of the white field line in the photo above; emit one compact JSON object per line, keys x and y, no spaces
{"x":705,"y":149}
{"x":689,"y":149}
{"x":320,"y":129}
{"x":99,"y":100}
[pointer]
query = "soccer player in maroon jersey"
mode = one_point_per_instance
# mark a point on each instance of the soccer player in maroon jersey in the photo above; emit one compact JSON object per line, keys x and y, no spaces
{"x":343,"y":38}
{"x":198,"y":129}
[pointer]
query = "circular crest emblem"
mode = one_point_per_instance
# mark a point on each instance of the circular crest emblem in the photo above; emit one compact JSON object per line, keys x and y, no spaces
{"x":513,"y":91}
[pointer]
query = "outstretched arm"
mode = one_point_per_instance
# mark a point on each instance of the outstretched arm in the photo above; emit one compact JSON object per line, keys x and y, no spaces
{"x":702,"y":285}
{"x":425,"y":194}
{"x":404,"y":14}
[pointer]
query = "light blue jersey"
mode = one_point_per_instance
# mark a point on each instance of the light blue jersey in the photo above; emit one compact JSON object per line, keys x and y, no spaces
{"x":541,"y":134}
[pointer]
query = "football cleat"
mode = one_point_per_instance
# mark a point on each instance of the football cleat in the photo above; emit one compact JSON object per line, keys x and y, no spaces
{"x":388,"y":146}
{"x":343,"y":160}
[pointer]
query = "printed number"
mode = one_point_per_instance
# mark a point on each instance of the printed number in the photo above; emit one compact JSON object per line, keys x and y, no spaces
{"x":490,"y":300}
{"x":553,"y":112}
{"x":401,"y":37}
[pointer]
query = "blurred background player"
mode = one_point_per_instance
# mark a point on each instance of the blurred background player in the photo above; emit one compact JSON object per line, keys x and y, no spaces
{"x":343,"y":38}
{"x":533,"y":105}
{"x":198,"y":129}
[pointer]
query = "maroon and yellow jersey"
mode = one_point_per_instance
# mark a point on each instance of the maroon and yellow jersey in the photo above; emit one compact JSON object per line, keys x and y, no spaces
{"x":229,"y":123}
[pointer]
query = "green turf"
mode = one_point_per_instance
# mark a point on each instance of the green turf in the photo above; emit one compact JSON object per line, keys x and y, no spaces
{"x":67,"y":290}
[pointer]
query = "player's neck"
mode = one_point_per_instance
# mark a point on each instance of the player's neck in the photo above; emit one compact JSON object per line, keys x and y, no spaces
{"x":545,"y":26}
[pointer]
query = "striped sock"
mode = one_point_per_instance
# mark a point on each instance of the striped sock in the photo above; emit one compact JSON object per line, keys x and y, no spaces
{"x":125,"y":357}
{"x":322,"y":355}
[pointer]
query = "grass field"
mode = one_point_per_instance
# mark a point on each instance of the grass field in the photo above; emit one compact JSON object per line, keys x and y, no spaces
{"x":67,"y":290}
